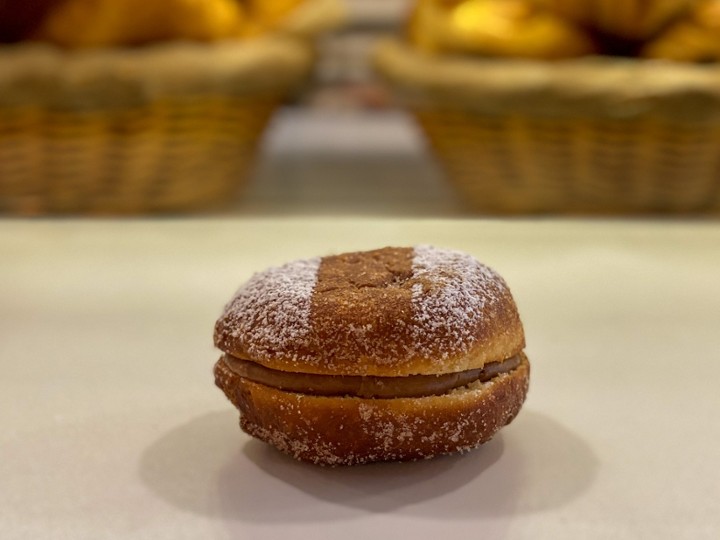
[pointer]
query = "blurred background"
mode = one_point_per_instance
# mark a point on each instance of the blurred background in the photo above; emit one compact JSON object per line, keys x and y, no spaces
{"x":434,"y":108}
{"x":311,"y":127}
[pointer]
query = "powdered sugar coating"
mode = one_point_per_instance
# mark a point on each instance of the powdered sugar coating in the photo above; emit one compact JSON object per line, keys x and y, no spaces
{"x":270,"y":314}
{"x":451,"y":296}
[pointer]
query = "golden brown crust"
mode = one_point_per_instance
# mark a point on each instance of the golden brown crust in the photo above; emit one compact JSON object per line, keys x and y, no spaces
{"x":348,"y":430}
{"x":388,"y":312}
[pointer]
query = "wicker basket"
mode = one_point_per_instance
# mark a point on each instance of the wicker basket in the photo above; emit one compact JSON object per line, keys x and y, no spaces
{"x":162,"y":128}
{"x":586,"y":136}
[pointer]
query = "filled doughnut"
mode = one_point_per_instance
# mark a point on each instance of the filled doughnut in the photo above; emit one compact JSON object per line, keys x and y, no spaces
{"x":388,"y":355}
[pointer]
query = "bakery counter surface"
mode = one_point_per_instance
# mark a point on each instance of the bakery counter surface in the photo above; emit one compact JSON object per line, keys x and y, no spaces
{"x":112,"y":428}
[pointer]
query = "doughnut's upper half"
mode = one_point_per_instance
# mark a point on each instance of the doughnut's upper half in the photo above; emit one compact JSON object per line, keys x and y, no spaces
{"x":387,"y":312}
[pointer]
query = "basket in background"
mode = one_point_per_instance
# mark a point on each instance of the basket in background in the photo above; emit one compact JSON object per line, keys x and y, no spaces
{"x":160,"y":128}
{"x":583,"y":136}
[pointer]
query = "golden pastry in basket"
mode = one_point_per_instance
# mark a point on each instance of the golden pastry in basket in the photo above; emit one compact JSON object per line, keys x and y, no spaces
{"x":92,"y":23}
{"x":265,"y":15}
{"x":509,"y":28}
{"x":270,"y":12}
{"x":693,"y":39}
{"x":630,"y":19}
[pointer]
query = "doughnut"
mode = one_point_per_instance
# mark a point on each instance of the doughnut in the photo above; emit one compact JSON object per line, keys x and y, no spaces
{"x":395,"y":354}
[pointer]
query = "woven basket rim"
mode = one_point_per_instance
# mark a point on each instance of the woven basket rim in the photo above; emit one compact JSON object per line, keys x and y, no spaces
{"x":590,"y":86}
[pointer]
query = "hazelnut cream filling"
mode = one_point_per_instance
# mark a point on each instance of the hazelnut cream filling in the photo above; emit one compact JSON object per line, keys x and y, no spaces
{"x":367,"y":386}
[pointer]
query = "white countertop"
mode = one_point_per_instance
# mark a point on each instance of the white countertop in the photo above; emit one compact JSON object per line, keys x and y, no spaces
{"x":112,"y":428}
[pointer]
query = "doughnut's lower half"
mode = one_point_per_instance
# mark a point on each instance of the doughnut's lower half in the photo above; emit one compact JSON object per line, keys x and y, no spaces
{"x":348,"y":430}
